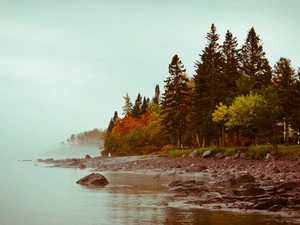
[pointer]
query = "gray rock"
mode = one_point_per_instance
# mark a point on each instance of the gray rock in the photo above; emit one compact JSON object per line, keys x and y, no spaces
{"x":93,"y":180}
{"x":219,"y":155}
{"x":193,"y":154}
{"x":243,"y":155}
{"x":206,"y":154}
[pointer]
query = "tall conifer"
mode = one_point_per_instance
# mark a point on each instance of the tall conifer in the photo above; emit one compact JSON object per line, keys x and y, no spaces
{"x":175,"y":101}
{"x":254,"y":64}
{"x":208,"y":86}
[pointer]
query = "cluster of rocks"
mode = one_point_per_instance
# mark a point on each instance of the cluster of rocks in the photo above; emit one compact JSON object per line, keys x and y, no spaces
{"x":242,"y":192}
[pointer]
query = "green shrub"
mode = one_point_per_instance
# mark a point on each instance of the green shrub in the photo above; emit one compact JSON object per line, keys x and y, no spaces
{"x":230,"y":151}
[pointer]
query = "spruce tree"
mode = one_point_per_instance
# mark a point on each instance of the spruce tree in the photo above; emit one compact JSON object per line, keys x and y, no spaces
{"x":284,"y":81}
{"x":112,"y":122}
{"x":136,"y":110}
{"x":156,"y":98}
{"x":127,"y":109}
{"x":145,"y":105}
{"x":175,"y":102}
{"x":230,"y":68}
{"x":254,"y":64}
{"x":208,"y":86}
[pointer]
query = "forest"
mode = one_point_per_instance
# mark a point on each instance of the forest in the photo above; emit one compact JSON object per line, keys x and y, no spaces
{"x":234,"y":98}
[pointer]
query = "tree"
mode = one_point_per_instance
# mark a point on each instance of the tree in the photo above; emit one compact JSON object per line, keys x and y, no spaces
{"x":295,"y":118}
{"x":243,"y":113}
{"x":284,"y":82}
{"x":113,"y":122}
{"x":220,"y":115}
{"x":136,"y":110}
{"x":175,"y":102}
{"x":127,"y":108}
{"x":145,"y":105}
{"x":208,"y":92}
{"x":254,"y":64}
{"x":230,"y":68}
{"x":156,"y":99}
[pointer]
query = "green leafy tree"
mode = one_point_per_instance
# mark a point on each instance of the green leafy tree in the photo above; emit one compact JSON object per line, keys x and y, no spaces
{"x":175,"y":102}
{"x":254,"y":63}
{"x":243,"y":112}
{"x":208,"y":90}
{"x":284,"y":82}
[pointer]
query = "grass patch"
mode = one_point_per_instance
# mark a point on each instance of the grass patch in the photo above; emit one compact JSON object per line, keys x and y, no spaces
{"x":179,"y":153}
{"x":289,"y":152}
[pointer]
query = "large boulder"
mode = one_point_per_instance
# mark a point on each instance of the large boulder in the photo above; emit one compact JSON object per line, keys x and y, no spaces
{"x":93,"y":180}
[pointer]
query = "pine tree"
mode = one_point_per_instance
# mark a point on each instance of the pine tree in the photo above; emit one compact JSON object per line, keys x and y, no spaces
{"x":156,"y":98}
{"x":230,"y":68}
{"x":208,"y":86}
{"x":295,"y":118}
{"x":112,"y":122}
{"x":127,"y":109}
{"x":145,"y":105}
{"x":175,"y":102}
{"x":136,"y":110}
{"x":284,"y":81}
{"x":254,"y":64}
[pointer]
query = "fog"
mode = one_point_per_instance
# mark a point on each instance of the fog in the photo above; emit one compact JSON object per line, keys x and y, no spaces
{"x":66,"y":65}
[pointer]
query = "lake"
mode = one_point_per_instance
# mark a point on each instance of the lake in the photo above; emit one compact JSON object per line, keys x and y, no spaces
{"x":36,"y":194}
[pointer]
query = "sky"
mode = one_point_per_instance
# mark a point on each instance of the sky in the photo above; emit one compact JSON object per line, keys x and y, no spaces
{"x":66,"y":65}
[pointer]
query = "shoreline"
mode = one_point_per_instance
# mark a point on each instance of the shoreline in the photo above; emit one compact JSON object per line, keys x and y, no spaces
{"x":264,"y":186}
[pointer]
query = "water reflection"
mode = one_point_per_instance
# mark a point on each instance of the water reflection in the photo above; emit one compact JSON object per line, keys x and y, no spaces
{"x":133,"y":199}
{"x":207,"y":217}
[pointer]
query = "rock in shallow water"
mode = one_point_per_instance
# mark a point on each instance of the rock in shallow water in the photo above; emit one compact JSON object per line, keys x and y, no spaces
{"x":93,"y":180}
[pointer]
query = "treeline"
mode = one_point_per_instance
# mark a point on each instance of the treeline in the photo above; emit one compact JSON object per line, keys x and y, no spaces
{"x":234,"y":98}
{"x":87,"y":138}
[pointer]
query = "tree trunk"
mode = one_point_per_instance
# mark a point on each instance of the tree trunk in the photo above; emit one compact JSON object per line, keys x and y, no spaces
{"x":197,"y":138}
{"x":286,"y":133}
{"x":223,"y":136}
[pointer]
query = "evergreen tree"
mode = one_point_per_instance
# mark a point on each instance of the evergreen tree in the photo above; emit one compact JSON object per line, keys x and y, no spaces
{"x":284,"y":81}
{"x":295,"y":118}
{"x":175,"y":101}
{"x":145,"y":105}
{"x":208,"y":86}
{"x":136,"y":110}
{"x":127,"y":109}
{"x":253,"y":61}
{"x":112,"y":122}
{"x":156,"y":98}
{"x":231,"y":61}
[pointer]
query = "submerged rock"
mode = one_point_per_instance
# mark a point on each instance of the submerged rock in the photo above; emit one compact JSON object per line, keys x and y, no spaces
{"x":93,"y":180}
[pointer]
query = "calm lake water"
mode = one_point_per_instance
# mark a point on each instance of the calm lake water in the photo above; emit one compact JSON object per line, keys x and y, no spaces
{"x":33,"y":195}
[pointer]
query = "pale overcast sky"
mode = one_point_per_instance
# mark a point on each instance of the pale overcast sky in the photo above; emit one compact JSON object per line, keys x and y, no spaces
{"x":66,"y":65}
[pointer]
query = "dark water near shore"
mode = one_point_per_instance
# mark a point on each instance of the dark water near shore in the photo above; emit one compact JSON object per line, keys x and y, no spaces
{"x":33,"y":195}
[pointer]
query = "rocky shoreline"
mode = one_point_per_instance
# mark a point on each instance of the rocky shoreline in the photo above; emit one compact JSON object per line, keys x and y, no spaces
{"x":230,"y":184}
